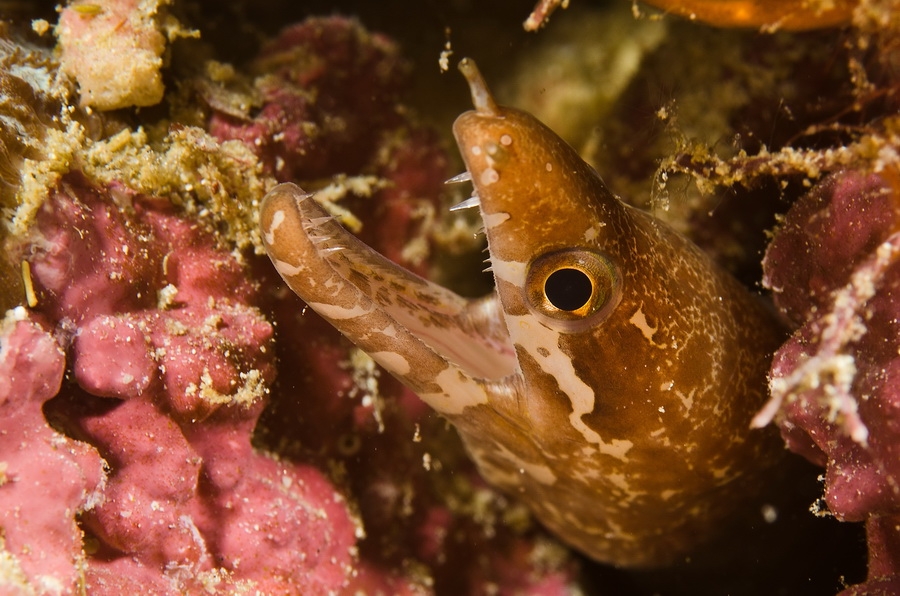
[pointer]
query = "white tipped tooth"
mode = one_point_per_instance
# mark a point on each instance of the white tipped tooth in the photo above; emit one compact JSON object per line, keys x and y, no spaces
{"x":473,"y":201}
{"x":319,"y":238}
{"x":318,"y":221}
{"x":489,"y":269}
{"x":464,"y":177}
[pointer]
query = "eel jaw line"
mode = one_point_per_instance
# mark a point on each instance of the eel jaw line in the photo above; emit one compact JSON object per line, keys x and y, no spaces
{"x":453,"y":352}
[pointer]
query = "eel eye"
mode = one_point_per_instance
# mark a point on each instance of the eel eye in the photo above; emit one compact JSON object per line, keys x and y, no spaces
{"x":572,"y":289}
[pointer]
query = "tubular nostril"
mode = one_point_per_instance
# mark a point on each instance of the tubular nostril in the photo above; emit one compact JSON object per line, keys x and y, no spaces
{"x":481,"y":96}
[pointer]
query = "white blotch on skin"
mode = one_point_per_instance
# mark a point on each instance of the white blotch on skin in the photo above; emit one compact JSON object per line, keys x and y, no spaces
{"x":458,"y":392}
{"x":687,"y":401}
{"x":506,"y":140}
{"x":528,"y":333}
{"x":510,"y":271}
{"x":620,"y":481}
{"x":539,"y":472}
{"x":549,"y":166}
{"x":512,"y":468}
{"x":277,"y":220}
{"x":639,"y":320}
{"x":392,"y":361}
{"x":286,"y":269}
{"x":489,"y":176}
{"x":492,"y":220}
{"x":339,"y":313}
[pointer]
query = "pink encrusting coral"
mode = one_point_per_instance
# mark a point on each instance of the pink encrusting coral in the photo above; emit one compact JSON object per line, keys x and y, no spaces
{"x":329,"y":90}
{"x":415,"y":490}
{"x":329,"y":105}
{"x":174,"y":367}
{"x":46,"y":478}
{"x":171,"y":359}
{"x":405,"y":470}
{"x":834,"y":268}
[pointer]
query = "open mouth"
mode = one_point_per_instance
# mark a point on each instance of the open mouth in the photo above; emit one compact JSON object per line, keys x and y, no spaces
{"x":402,"y":320}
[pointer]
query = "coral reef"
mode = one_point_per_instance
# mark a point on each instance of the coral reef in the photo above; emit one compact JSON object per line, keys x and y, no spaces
{"x":170,"y":359}
{"x":175,"y":421}
{"x":312,"y":123}
{"x":830,"y":151}
{"x":114,"y":50}
{"x":31,"y":109}
{"x":198,"y":464}
{"x":833,"y":268}
{"x":46,"y":478}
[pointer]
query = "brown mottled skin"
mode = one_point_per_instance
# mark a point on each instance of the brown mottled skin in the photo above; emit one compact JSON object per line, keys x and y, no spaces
{"x":625,"y":428}
{"x":690,"y":466}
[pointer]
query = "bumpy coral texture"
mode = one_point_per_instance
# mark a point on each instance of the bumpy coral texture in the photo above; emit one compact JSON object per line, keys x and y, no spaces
{"x":170,"y":358}
{"x":332,"y":88}
{"x":45,"y":478}
{"x":834,"y":268}
{"x":329,"y":90}
{"x":114,"y":50}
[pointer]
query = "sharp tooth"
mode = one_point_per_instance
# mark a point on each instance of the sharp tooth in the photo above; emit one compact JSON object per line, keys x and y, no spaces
{"x":319,"y":238}
{"x":464,"y":177}
{"x":473,"y":201}
{"x":314,"y":222}
{"x":490,"y":269}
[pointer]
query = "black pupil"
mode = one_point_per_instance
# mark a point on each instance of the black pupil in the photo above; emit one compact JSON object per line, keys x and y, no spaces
{"x":568,"y":289}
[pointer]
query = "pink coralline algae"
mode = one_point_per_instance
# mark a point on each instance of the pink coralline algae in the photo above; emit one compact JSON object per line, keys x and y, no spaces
{"x":170,"y":359}
{"x":403,"y":467}
{"x":46,"y":478}
{"x":156,"y":360}
{"x":329,"y":91}
{"x":834,"y":268}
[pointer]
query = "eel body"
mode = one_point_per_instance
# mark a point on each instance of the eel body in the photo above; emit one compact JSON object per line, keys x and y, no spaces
{"x":609,"y":381}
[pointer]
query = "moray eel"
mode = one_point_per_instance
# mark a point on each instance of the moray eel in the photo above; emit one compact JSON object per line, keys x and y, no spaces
{"x":608,"y":382}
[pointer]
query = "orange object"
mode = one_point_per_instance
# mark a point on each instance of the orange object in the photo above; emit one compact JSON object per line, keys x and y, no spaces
{"x":784,"y":14}
{"x":793,"y":15}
